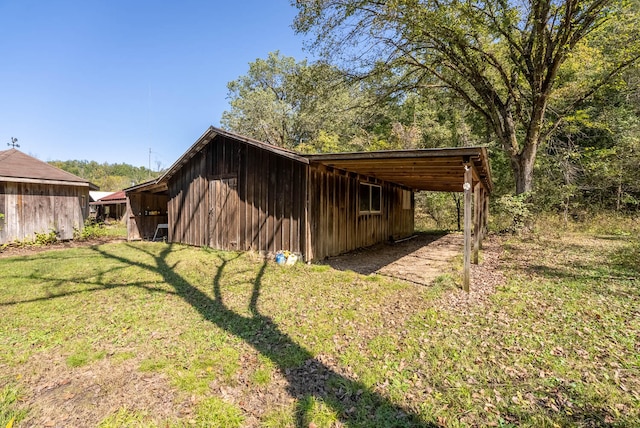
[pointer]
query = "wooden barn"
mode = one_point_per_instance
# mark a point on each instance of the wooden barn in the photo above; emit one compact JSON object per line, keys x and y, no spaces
{"x":36,"y":197}
{"x":235,"y":193}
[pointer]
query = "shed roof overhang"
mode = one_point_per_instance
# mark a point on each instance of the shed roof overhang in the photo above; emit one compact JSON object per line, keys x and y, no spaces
{"x":439,"y":170}
{"x":152,"y":186}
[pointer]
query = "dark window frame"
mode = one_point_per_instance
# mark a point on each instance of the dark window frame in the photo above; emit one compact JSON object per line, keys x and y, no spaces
{"x":368,"y":198}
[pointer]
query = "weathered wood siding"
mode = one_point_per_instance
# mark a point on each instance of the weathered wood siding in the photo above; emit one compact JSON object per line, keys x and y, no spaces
{"x":337,"y":226}
{"x":235,"y":196}
{"x":31,"y":208}
{"x":145,"y":211}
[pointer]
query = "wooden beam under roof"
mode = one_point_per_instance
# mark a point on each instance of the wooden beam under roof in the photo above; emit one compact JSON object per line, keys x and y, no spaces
{"x":425,"y":169}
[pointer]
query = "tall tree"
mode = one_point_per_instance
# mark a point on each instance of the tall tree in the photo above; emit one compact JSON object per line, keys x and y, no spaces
{"x":263,"y":102}
{"x":502,"y":58}
{"x":310,"y":107}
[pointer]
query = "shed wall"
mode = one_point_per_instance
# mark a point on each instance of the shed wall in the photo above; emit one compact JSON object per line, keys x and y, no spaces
{"x":31,"y":208}
{"x":337,"y":226}
{"x":235,"y":196}
{"x":145,"y":211}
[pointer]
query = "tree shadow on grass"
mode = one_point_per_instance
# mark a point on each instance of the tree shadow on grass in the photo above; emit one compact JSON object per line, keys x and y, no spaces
{"x":307,"y":377}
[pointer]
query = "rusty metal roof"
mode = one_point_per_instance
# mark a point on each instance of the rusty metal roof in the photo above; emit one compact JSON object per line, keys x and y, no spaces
{"x":118,"y":196}
{"x":17,"y":166}
{"x":111,"y":199}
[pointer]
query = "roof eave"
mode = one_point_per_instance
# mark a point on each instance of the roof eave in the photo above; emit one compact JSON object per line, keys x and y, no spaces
{"x":209,"y":135}
{"x":46,"y":181}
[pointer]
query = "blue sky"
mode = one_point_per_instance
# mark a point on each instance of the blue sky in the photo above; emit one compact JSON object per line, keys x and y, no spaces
{"x":107,"y":80}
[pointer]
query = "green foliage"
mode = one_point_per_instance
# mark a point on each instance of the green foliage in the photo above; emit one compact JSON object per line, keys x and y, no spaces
{"x":46,"y":238}
{"x":515,"y":214}
{"x":91,"y":230}
{"x":108,"y":177}
{"x":95,"y":229}
{"x":523,"y":67}
{"x":589,"y":164}
{"x":296,"y":105}
{"x":444,"y":209}
{"x":263,"y":103}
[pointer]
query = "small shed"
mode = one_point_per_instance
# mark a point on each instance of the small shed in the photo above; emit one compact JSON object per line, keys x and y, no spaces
{"x":110,"y":207}
{"x":36,"y":197}
{"x":236,"y":193}
{"x":94,"y":195}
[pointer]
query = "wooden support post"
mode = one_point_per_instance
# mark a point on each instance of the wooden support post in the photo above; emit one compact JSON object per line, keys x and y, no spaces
{"x":485,"y":220}
{"x":467,"y":187}
{"x":308,"y":252}
{"x":477,"y":221}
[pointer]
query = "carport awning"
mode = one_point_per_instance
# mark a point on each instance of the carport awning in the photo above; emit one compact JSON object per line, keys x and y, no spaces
{"x":424,"y":169}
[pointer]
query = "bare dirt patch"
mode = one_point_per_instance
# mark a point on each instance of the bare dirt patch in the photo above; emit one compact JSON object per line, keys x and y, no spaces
{"x":485,"y":277}
{"x":420,"y":259}
{"x":83,"y":396}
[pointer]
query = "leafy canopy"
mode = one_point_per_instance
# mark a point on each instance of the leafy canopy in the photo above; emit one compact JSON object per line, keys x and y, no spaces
{"x":504,"y":59}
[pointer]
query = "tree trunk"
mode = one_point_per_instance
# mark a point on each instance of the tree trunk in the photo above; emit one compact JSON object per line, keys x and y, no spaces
{"x":523,"y":161}
{"x":458,"y":201}
{"x":522,"y":165}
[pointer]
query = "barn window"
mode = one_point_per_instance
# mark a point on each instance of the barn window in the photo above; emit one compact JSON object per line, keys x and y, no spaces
{"x":370,"y":198}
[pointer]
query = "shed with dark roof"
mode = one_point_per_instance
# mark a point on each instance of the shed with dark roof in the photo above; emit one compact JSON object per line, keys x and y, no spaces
{"x":36,"y":197}
{"x":236,"y":193}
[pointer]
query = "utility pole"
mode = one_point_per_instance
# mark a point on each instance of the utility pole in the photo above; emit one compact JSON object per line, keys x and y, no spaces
{"x":13,"y":143}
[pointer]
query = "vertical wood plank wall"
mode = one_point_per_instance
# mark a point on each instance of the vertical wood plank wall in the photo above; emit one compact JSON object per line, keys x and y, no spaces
{"x":139,"y":224}
{"x":335,"y":221}
{"x":31,"y":208}
{"x":263,"y":189}
{"x":234,"y":196}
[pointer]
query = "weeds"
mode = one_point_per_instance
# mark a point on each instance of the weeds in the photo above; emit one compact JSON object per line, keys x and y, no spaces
{"x":11,"y":413}
{"x":46,"y":238}
{"x":95,"y":230}
{"x":214,"y":413}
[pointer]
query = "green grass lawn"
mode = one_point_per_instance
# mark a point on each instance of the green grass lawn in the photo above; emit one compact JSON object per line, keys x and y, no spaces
{"x":149,"y":334}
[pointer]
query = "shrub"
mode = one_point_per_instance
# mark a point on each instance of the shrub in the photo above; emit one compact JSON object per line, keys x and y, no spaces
{"x":92,"y":229}
{"x":514,"y":213}
{"x":46,"y":238}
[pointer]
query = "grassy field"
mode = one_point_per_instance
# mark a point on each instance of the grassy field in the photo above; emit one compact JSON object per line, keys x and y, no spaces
{"x":149,"y":334}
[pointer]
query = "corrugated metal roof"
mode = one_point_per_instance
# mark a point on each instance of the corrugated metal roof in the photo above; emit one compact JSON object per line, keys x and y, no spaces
{"x":116,"y":196}
{"x":17,"y":166}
